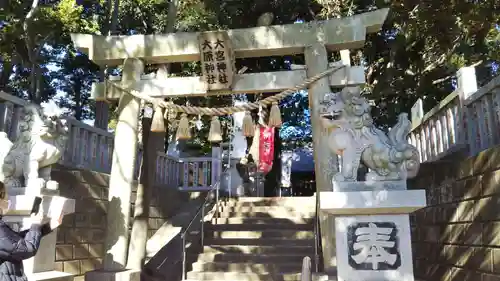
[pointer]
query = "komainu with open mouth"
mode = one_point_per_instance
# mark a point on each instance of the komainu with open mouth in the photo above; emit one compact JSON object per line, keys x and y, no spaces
{"x":352,"y":135}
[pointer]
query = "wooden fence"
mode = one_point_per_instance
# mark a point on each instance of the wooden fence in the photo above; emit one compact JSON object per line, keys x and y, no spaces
{"x":92,"y":148}
{"x":468,"y":119}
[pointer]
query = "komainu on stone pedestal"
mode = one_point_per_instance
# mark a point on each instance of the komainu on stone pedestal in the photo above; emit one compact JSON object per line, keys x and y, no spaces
{"x":39,"y":145}
{"x":353,"y":136}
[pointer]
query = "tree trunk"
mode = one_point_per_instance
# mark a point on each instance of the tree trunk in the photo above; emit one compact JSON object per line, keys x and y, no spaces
{"x":113,"y":25}
{"x":173,"y":6}
{"x":139,"y":234}
{"x":30,"y":46}
{"x":7,"y":68}
{"x":109,"y":28}
{"x":77,"y":92}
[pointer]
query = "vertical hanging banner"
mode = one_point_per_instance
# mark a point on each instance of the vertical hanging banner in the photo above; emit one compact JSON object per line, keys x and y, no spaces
{"x":217,"y":60}
{"x":266,"y":148}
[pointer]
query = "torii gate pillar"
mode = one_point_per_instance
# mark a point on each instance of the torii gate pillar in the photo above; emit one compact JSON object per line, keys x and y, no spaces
{"x":121,"y":182}
{"x":316,"y":59}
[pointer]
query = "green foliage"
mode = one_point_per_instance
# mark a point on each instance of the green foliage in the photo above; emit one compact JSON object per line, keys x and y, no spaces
{"x":75,"y":78}
{"x":33,"y":35}
{"x":416,"y":55}
{"x":420,"y":48}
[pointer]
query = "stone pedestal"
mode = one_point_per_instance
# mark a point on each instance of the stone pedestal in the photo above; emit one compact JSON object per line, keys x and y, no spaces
{"x":113,"y":275}
{"x":372,"y":229}
{"x":42,"y":265}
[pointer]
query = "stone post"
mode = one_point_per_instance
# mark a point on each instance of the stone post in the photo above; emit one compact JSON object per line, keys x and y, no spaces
{"x":101,"y":115}
{"x":121,"y":182}
{"x":467,"y":85}
{"x":216,"y":162}
{"x":417,"y":112}
{"x":372,"y":229}
{"x":121,"y":178}
{"x":233,"y":183}
{"x":324,"y":162}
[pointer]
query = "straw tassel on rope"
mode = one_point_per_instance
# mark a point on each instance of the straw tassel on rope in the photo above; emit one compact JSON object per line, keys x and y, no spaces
{"x":248,"y":127}
{"x":158,"y":123}
{"x":183,"y":132}
{"x":215,"y":134}
{"x":275,"y":116}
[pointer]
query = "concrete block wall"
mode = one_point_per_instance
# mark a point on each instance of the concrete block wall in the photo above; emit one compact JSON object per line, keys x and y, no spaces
{"x":80,"y":239}
{"x":457,"y":237}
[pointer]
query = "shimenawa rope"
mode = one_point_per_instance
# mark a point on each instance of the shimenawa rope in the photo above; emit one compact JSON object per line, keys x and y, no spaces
{"x":195,"y":110}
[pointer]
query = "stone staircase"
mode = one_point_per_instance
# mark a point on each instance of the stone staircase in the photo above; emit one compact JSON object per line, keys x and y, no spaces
{"x":257,"y":239}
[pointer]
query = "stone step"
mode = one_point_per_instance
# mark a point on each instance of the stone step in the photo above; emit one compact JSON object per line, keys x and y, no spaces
{"x":259,"y":242}
{"x":236,"y":276}
{"x":51,"y":276}
{"x":260,"y":268}
{"x":257,"y":225}
{"x":264,"y":212}
{"x":259,"y":250}
{"x":252,"y":217}
{"x":315,"y":277}
{"x":264,"y":234}
{"x":279,"y":211}
{"x":250,"y":258}
{"x":285,"y":200}
{"x":288,"y":202}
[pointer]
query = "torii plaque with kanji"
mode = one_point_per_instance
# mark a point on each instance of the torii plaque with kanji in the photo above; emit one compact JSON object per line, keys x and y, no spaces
{"x":217,"y":60}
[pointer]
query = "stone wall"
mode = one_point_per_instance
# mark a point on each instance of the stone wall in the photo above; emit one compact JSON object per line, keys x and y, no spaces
{"x":80,"y":239}
{"x":457,"y":237}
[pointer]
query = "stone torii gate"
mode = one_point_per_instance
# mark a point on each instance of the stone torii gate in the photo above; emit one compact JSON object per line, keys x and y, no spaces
{"x":313,"y":39}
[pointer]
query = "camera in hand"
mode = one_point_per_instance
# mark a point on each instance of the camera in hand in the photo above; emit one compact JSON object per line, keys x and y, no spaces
{"x":36,"y":205}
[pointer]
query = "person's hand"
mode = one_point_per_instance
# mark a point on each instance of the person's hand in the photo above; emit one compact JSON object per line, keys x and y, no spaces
{"x":56,"y":222}
{"x":37,"y":218}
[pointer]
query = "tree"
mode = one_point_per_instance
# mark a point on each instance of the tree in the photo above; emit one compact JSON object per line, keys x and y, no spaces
{"x":75,"y":78}
{"x":420,"y":48}
{"x":30,"y":32}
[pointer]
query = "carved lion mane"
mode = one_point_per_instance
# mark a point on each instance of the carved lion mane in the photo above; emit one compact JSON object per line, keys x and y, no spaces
{"x":40,"y":144}
{"x":353,"y":136}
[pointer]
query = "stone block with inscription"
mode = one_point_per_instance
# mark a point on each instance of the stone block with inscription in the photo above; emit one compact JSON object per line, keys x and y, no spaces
{"x":372,"y":229}
{"x":374,"y":248}
{"x":42,"y":266}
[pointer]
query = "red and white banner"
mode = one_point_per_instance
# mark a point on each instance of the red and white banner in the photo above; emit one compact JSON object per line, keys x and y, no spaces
{"x":266,"y":148}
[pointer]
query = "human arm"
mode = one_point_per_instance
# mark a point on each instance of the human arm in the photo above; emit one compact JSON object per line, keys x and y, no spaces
{"x":45,"y":229}
{"x":13,"y":246}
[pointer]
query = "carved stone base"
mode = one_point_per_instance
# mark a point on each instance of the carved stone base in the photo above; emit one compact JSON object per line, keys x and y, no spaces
{"x":381,"y":202}
{"x":52,"y":206}
{"x":348,"y":186}
{"x":374,"y":248}
{"x":23,"y":190}
{"x":124,"y":275}
{"x":42,"y":265}
{"x":372,"y":229}
{"x":50,"y":276}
